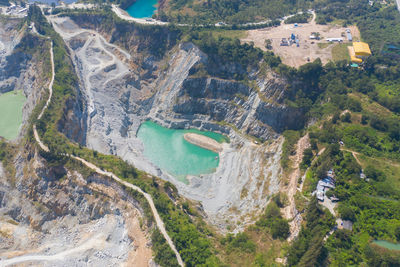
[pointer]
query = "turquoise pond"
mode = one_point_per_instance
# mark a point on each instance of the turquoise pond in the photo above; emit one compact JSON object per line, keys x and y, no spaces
{"x":167,"y":149}
{"x":387,"y":244}
{"x":11,"y":104}
{"x":142,"y":8}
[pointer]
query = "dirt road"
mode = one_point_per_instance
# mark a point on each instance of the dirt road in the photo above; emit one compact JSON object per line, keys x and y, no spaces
{"x":290,"y":212}
{"x":94,"y":242}
{"x":157,"y":218}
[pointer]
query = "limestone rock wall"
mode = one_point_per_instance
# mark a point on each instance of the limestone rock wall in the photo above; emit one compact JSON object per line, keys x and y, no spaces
{"x":53,"y":216}
{"x":121,"y":92}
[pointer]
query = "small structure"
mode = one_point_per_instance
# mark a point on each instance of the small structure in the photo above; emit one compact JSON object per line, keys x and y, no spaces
{"x":284,"y":42}
{"x":359,"y":52}
{"x":219,"y":24}
{"x":349,"y":37}
{"x":339,"y":39}
{"x":334,"y":199}
{"x":348,"y":225}
{"x":324,"y":185}
{"x":362,"y":174}
{"x":361,"y":49}
{"x":320,"y":196}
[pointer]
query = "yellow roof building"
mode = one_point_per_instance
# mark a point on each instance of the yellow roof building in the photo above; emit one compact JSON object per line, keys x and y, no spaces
{"x":352,"y":54}
{"x":361,"y":49}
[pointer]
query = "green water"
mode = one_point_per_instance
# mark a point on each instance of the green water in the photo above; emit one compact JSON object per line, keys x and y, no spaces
{"x":387,"y":244}
{"x":167,"y":149}
{"x":11,"y":113}
{"x":142,"y":8}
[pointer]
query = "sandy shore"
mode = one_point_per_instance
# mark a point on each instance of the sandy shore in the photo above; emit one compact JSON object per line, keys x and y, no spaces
{"x":203,"y":141}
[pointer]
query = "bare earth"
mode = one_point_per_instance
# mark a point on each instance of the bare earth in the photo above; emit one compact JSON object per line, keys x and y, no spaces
{"x":297,"y":56}
{"x":290,"y":211}
{"x":203,"y":141}
{"x":157,"y":218}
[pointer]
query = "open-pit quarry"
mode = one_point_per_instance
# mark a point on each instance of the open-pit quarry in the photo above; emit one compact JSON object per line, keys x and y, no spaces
{"x":121,"y":91}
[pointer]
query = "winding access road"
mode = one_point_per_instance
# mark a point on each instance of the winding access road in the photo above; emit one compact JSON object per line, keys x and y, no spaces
{"x":158,"y":220}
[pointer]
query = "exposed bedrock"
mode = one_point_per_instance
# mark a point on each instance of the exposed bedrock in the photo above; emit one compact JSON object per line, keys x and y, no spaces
{"x":22,"y":64}
{"x":120,"y":92}
{"x":52,"y":216}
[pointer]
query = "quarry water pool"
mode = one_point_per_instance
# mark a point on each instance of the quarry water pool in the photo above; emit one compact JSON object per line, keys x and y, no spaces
{"x":168,"y":150}
{"x":142,"y":8}
{"x":387,"y":244}
{"x":11,"y":104}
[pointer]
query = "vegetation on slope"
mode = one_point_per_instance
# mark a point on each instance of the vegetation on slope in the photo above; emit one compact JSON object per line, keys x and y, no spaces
{"x":370,"y":127}
{"x":360,"y":108}
{"x":228,"y":11}
{"x":190,"y":238}
{"x":146,"y":39}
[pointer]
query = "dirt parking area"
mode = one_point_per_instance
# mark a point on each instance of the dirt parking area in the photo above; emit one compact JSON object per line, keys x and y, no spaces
{"x":308,"y":50}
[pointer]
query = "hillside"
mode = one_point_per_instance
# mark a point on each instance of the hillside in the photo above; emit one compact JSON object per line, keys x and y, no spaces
{"x":77,"y":186}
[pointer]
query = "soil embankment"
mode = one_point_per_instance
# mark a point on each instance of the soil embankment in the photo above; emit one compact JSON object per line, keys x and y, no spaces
{"x":203,"y":141}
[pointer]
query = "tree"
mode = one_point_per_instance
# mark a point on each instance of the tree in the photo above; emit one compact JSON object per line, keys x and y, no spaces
{"x":397,"y":232}
{"x":373,"y":173}
{"x":280,"y":228}
{"x":268,"y":44}
{"x":346,"y":212}
{"x":307,"y":157}
{"x":346,"y":117}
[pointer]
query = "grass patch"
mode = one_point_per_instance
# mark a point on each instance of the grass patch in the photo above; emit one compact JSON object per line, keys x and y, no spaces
{"x":309,"y":183}
{"x":389,"y":167}
{"x":323,"y":45}
{"x":300,"y":201}
{"x":233,"y":34}
{"x":264,"y":254}
{"x":289,"y":147}
{"x":340,"y":52}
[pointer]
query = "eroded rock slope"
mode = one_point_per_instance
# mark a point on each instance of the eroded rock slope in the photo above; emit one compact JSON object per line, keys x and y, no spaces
{"x":22,"y":65}
{"x":51,"y":215}
{"x":56,"y":216}
{"x":123,"y":89}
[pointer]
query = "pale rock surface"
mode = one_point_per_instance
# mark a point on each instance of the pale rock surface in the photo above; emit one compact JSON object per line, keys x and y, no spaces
{"x":119,"y":97}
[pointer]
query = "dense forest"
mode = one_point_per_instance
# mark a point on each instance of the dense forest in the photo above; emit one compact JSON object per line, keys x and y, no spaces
{"x":359,"y":107}
{"x":229,"y":11}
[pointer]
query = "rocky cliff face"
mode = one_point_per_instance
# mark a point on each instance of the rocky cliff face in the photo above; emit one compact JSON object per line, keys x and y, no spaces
{"x":11,"y":64}
{"x":53,"y":215}
{"x":122,"y":91}
{"x":57,"y":216}
{"x":232,"y":102}
{"x":24,"y":64}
